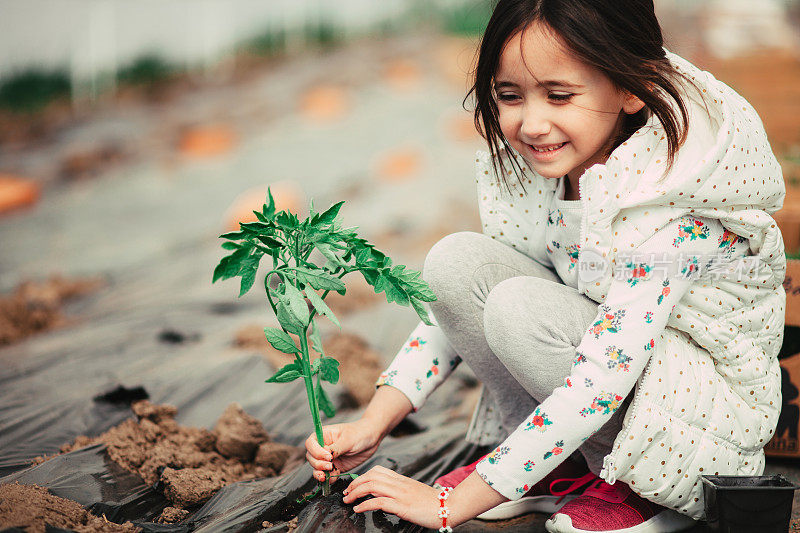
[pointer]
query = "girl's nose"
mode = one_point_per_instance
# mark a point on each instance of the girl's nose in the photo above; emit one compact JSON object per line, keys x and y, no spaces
{"x":535,"y":124}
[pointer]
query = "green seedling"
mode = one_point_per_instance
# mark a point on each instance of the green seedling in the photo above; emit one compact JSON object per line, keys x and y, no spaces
{"x":293,"y":282}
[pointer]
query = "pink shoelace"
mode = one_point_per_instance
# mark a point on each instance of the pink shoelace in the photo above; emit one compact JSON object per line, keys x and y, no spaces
{"x":615,"y":493}
{"x":576,"y":484}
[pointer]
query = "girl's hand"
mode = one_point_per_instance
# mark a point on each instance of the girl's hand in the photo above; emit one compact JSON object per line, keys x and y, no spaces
{"x":400,"y":495}
{"x":346,"y":446}
{"x":418,"y":503}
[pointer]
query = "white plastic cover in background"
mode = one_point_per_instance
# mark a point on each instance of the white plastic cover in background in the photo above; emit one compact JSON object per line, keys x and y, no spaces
{"x":94,"y":38}
{"x":736,"y":27}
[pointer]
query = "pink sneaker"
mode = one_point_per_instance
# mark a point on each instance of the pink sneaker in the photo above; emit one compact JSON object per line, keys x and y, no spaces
{"x":541,"y":498}
{"x":456,"y":476}
{"x":615,"y":509}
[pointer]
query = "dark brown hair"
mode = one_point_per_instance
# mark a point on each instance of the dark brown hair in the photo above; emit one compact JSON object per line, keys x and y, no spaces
{"x":621,"y":38}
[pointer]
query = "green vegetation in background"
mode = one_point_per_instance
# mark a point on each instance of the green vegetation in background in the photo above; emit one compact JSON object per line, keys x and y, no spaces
{"x":321,"y":32}
{"x":468,"y":19}
{"x":268,"y":43}
{"x":145,"y":70}
{"x":33,"y":89}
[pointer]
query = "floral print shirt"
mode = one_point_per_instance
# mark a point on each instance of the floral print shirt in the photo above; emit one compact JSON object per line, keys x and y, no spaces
{"x":646,"y":285}
{"x":562,"y":236}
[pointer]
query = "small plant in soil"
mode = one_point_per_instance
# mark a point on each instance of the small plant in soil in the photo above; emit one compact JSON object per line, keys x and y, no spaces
{"x":296,"y":287}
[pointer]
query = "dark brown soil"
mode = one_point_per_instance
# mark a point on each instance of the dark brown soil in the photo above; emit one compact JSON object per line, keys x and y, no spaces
{"x":37,"y":306}
{"x":359,"y":365}
{"x":192,"y":463}
{"x":32,"y":508}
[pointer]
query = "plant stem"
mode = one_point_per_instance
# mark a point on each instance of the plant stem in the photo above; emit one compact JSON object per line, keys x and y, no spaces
{"x":312,"y":402}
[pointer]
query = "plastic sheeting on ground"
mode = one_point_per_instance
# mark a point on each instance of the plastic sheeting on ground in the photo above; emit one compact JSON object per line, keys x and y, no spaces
{"x":49,"y":396}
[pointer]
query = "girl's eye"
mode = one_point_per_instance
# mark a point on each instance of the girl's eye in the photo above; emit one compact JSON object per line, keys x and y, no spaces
{"x":560,"y":97}
{"x":507,"y":97}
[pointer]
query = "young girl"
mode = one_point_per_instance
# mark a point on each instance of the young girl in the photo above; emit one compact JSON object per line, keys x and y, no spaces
{"x":625,"y":299}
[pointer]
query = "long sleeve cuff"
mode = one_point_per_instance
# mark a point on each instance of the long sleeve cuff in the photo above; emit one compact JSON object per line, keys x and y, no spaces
{"x":421,"y":365}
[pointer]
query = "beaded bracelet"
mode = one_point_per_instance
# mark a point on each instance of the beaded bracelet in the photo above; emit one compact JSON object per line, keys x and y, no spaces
{"x":444,"y":512}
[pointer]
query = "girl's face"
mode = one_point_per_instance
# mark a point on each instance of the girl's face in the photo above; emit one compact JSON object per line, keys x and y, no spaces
{"x":559,"y":113}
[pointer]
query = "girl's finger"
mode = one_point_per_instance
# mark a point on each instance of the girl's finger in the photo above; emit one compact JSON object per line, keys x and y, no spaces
{"x":313,"y":447}
{"x":363,"y":478}
{"x":318,"y":464}
{"x":383,"y":503}
{"x":375,"y":487}
{"x":376,"y":472}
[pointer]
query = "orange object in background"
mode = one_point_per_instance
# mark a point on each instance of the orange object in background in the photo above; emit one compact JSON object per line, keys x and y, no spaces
{"x":287,"y":195}
{"x":399,"y":164}
{"x":770,"y":81}
{"x":455,"y":59}
{"x":324,"y":103}
{"x":206,"y":141}
{"x":16,"y":193}
{"x":402,"y":74}
{"x":461,"y":127}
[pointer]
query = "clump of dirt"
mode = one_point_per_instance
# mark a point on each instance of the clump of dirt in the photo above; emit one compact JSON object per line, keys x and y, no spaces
{"x":33,"y":508}
{"x":171,"y":515}
{"x":192,"y":463}
{"x":37,"y":306}
{"x":359,"y":365}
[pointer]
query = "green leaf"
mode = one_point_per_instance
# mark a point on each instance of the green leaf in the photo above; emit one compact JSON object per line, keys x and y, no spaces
{"x":288,"y":321}
{"x":321,"y":307}
{"x":230,"y":246}
{"x":233,"y":235}
{"x":269,"y":207}
{"x":412,"y":283}
{"x":394,"y":292}
{"x":280,"y":340}
{"x":314,"y":337}
{"x":327,"y":251}
{"x":269,"y":241}
{"x":229,"y":266}
{"x":328,"y":369}
{"x":330,"y":215}
{"x":290,"y":372}
{"x":287,"y":220}
{"x":323,"y":402}
{"x":255,"y":227}
{"x":248,"y":271}
{"x":261,"y":217}
{"x":371,"y":276}
{"x":296,"y":303}
{"x":320,"y":279}
{"x":421,"y":311}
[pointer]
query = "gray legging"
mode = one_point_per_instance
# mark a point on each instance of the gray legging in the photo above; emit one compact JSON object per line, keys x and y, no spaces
{"x":516,"y":325}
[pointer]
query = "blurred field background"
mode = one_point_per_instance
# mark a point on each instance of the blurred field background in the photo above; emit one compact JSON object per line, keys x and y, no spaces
{"x":134,"y":132}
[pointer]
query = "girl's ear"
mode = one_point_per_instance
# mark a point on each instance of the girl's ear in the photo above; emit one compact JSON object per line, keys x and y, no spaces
{"x":632,"y":104}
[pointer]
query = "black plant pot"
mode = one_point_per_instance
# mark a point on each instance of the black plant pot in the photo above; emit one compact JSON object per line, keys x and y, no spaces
{"x":743,"y":504}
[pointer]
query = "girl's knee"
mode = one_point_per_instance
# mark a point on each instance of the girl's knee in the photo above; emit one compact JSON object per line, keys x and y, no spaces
{"x":502,"y":313}
{"x":448,"y":259}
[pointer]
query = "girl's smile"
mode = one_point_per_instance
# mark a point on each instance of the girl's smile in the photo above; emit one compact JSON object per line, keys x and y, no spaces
{"x":546,"y":152}
{"x":559,"y":113}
